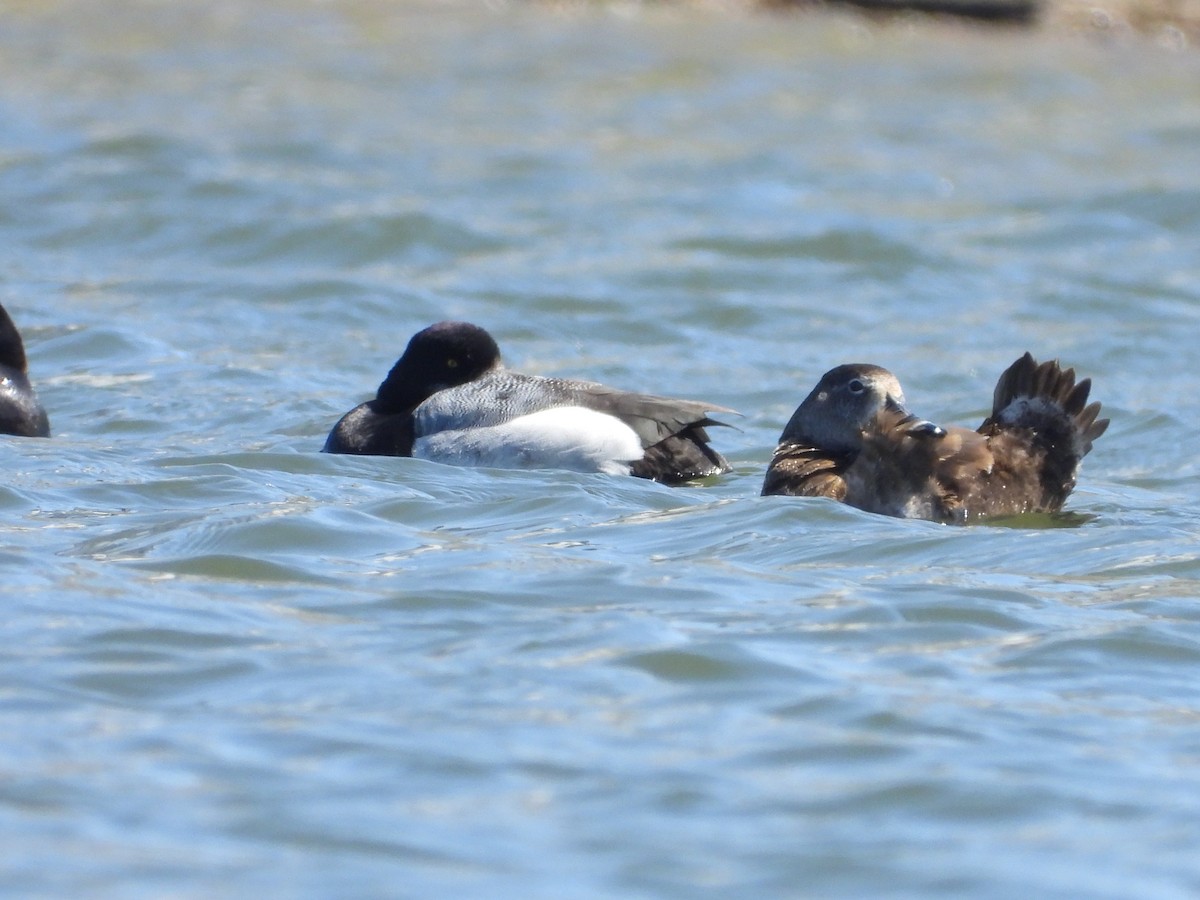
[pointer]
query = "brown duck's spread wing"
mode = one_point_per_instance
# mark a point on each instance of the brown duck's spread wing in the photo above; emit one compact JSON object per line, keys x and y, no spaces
{"x":1041,"y":426}
{"x":1045,"y":399}
{"x":801,"y":471}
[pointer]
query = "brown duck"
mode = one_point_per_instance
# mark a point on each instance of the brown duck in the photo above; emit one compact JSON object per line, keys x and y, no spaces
{"x":853,"y":440}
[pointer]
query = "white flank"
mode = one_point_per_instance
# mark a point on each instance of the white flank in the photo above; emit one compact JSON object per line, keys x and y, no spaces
{"x":570,"y":437}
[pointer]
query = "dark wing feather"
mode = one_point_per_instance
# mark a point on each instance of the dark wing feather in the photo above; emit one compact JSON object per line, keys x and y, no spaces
{"x":1040,"y":428}
{"x":680,"y":457}
{"x":672,"y":431}
{"x":800,"y":471}
{"x":1062,"y":414}
{"x":653,"y":418}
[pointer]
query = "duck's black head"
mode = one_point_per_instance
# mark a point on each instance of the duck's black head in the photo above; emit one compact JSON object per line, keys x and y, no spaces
{"x":441,"y":356}
{"x":842,"y":406}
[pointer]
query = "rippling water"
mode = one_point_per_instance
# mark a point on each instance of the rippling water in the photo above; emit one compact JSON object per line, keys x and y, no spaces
{"x":235,"y":665}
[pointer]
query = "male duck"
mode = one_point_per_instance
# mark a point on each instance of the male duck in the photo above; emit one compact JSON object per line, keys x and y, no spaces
{"x":450,"y":399}
{"x":20,"y":412}
{"x":853,"y":440}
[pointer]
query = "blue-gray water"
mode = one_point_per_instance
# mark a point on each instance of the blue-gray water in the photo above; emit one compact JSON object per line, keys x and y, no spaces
{"x":233,"y":666}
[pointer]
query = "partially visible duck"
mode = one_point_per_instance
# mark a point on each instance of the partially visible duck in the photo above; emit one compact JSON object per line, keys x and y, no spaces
{"x":20,"y":411}
{"x":450,"y":399}
{"x":853,"y":440}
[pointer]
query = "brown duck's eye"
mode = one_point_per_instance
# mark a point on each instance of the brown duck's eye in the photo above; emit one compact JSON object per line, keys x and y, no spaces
{"x":856,"y":386}
{"x":451,"y":363}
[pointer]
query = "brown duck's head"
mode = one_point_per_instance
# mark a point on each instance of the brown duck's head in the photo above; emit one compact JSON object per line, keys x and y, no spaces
{"x":846,"y":404}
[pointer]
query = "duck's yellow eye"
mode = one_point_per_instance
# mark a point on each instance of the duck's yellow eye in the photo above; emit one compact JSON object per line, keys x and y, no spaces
{"x":451,"y":363}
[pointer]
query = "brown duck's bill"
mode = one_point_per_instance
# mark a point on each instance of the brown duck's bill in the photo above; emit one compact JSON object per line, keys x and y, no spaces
{"x":910,"y":424}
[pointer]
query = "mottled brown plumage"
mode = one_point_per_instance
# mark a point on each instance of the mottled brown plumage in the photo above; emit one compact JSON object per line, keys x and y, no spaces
{"x":853,"y":440}
{"x":803,"y":471}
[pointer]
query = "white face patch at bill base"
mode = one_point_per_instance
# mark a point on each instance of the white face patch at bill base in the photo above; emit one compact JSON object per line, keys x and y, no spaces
{"x":568,"y":437}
